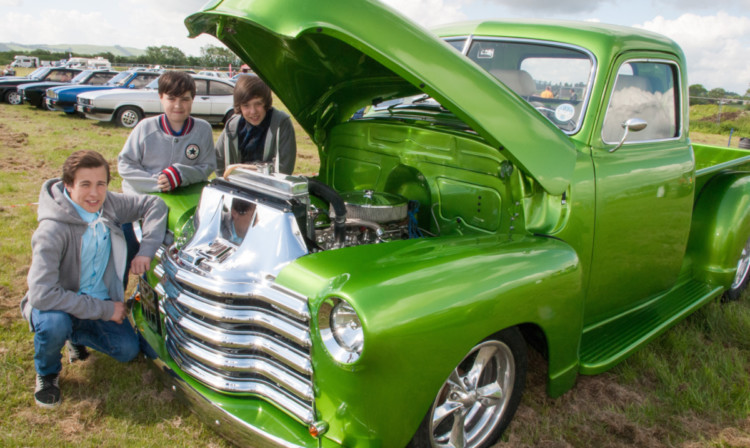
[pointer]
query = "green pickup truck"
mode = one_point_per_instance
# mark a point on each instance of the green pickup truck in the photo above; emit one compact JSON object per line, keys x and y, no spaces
{"x":487,"y":189}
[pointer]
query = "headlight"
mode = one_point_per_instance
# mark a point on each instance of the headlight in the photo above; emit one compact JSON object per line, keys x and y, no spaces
{"x":341,"y":330}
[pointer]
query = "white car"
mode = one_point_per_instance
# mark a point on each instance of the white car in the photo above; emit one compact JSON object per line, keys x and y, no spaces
{"x":214,"y":74}
{"x":127,"y":107}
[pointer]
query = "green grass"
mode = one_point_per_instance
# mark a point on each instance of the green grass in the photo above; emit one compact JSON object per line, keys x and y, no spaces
{"x":707,"y":118}
{"x":689,"y":388}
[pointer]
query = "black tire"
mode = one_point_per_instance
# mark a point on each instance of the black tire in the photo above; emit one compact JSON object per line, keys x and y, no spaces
{"x":128,"y":117}
{"x":742,"y":277}
{"x":12,"y":97}
{"x":474,"y":412}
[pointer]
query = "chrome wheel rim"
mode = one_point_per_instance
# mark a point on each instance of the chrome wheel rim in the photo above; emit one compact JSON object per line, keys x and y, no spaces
{"x":743,"y":267}
{"x":474,"y":398}
{"x":14,"y":98}
{"x":129,"y":118}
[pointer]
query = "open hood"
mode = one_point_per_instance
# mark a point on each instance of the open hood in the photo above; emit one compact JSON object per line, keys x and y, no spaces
{"x":325,"y":59}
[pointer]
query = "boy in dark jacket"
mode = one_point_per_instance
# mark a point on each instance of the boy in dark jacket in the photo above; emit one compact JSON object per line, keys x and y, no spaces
{"x":76,"y":295}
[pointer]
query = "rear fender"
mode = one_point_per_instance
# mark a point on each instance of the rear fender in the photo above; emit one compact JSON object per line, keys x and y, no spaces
{"x":720,"y":228}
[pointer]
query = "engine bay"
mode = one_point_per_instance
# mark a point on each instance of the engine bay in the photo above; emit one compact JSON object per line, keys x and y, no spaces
{"x":260,"y":221}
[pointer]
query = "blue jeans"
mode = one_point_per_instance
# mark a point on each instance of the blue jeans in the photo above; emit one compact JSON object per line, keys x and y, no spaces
{"x":53,"y":328}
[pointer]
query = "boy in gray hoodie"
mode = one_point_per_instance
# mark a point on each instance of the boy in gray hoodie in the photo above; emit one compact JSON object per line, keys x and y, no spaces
{"x":76,"y":295}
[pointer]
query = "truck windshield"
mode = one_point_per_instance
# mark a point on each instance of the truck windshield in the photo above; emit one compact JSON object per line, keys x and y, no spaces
{"x":554,"y":79}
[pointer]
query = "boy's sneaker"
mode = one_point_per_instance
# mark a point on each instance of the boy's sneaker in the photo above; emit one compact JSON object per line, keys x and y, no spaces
{"x":76,"y":352}
{"x":47,"y":392}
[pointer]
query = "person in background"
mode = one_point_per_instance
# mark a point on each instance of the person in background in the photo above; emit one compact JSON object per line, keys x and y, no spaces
{"x":257,"y":131}
{"x":547,"y":93}
{"x":76,"y":296}
{"x":172,"y":149}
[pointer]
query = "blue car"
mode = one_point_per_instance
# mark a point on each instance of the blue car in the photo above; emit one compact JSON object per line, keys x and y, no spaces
{"x":34,"y":93}
{"x":64,"y":98}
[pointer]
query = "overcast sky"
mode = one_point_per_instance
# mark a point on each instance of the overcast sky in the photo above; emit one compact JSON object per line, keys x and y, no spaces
{"x":715,"y":35}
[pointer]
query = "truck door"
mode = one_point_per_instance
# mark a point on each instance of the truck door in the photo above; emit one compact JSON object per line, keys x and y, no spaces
{"x":644,"y":189}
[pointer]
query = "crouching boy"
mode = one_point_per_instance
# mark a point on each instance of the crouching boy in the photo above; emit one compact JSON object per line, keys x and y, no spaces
{"x":76,"y":295}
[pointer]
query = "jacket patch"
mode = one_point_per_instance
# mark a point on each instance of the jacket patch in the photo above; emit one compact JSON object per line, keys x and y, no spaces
{"x":192,"y":152}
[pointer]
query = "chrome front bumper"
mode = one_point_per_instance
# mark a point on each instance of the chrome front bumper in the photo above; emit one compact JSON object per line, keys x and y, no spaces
{"x":238,"y":431}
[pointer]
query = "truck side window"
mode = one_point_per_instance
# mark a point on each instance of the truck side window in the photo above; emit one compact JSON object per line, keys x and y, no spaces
{"x":645,"y":90}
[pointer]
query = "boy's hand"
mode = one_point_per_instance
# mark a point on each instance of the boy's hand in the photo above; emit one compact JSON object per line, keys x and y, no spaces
{"x":120,"y":312}
{"x":140,"y":264}
{"x":162,"y":183}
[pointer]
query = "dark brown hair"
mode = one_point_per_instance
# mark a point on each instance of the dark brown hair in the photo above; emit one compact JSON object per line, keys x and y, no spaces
{"x":249,"y":87}
{"x":176,"y":83}
{"x":82,"y":159}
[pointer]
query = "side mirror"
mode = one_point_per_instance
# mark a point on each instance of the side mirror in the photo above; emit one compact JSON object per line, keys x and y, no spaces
{"x":633,"y":124}
{"x":131,"y":86}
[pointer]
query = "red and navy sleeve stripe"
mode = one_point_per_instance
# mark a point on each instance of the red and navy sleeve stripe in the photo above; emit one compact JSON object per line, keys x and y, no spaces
{"x":173,"y":176}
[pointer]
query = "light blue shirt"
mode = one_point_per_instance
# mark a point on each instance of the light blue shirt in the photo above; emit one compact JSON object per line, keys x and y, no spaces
{"x":95,"y":249}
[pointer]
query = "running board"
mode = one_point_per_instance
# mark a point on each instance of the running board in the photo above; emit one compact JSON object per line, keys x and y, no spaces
{"x":605,"y":344}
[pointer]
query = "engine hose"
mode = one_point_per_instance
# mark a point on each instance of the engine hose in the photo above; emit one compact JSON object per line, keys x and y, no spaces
{"x":327,"y":193}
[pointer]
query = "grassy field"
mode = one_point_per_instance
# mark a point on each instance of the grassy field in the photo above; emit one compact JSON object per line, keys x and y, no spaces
{"x":689,"y":388}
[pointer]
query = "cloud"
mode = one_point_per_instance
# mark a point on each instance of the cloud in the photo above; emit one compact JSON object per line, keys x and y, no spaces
{"x":429,"y":13}
{"x":54,"y":26}
{"x":542,"y":8}
{"x":716,"y":48}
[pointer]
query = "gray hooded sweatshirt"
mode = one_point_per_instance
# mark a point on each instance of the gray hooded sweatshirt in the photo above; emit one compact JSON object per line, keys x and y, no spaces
{"x":55,"y":273}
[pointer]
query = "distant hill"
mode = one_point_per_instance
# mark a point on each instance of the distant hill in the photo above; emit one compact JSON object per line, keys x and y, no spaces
{"x":116,"y":50}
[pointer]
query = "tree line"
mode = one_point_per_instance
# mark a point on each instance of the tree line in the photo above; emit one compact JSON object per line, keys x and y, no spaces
{"x":165,"y":55}
{"x":701,"y":95}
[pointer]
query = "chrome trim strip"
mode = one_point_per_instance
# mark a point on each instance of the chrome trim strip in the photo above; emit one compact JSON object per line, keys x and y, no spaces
{"x":235,"y":429}
{"x":160,"y":253}
{"x":283,"y":402}
{"x":292,"y":304}
{"x":259,"y":342}
{"x":244,"y":315}
{"x":159,"y":271}
{"x":209,"y":358}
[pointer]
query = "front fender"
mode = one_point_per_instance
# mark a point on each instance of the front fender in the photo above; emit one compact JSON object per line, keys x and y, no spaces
{"x":423,"y":305}
{"x":720,"y":228}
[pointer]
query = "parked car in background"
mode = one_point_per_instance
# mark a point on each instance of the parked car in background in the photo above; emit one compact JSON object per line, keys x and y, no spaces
{"x":214,"y":74}
{"x":34,"y":93}
{"x":127,"y":107}
{"x":64,"y":97}
{"x":9,"y":85}
{"x":237,"y":75}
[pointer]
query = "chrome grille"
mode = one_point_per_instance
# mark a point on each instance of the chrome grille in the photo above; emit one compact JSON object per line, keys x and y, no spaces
{"x":243,"y":339}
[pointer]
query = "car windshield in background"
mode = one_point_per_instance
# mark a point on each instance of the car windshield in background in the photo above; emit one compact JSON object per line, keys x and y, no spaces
{"x":554,"y":79}
{"x":38,"y":73}
{"x":120,"y":79}
{"x":81,"y":77}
